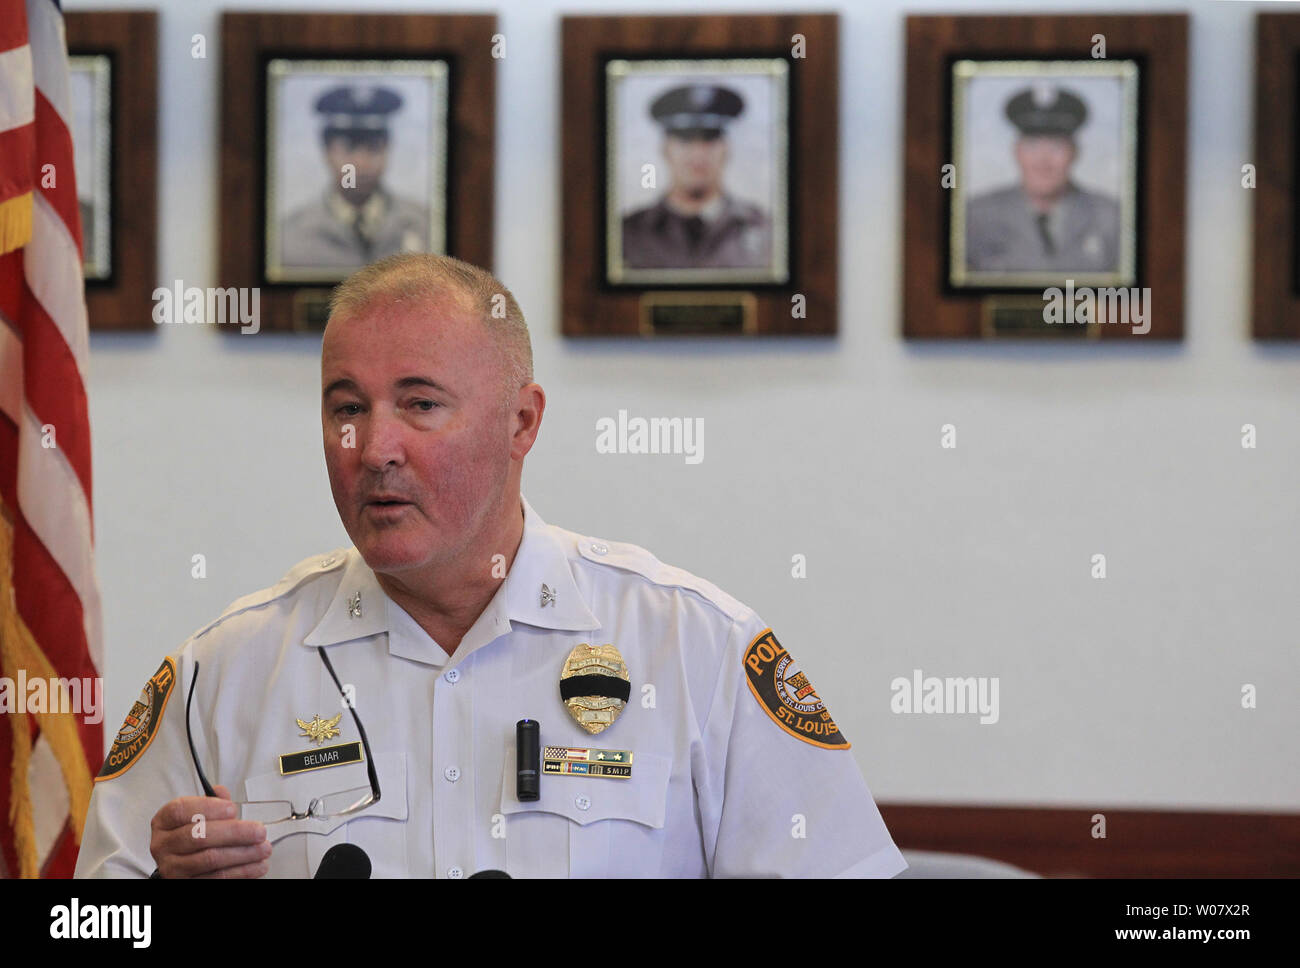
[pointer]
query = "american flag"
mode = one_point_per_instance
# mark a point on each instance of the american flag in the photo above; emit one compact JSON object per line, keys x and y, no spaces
{"x":49,"y":597}
{"x":565,"y":753}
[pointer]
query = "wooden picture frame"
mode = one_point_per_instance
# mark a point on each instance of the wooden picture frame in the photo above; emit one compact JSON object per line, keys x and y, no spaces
{"x":787,"y":65}
{"x":1057,"y":841}
{"x":251,"y":42}
{"x":127,"y":44}
{"x":1276,"y":301}
{"x":938,"y":47}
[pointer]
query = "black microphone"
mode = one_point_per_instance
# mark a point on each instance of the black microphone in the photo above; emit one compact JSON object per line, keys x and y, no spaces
{"x":491,"y":873}
{"x":527,"y":759}
{"x":344,"y":861}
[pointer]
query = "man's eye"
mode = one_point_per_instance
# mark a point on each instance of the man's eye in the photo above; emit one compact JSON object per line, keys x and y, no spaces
{"x":426,"y":406}
{"x":349,"y":409}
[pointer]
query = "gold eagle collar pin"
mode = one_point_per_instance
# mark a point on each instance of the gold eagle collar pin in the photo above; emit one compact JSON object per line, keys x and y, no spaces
{"x":319,"y":730}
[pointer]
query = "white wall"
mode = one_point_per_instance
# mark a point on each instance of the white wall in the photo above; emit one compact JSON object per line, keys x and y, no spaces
{"x":968,"y":562}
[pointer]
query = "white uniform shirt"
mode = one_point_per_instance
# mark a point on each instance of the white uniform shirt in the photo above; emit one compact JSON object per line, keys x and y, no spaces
{"x":719,"y":785}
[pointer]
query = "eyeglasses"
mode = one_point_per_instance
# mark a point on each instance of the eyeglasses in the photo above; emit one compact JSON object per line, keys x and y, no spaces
{"x":339,"y":804}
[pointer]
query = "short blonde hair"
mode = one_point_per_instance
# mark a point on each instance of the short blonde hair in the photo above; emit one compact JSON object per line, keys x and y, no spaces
{"x":422,"y":276}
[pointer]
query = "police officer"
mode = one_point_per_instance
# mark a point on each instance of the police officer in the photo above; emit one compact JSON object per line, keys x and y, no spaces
{"x":356,"y":220}
{"x":1046,"y":223}
{"x":371,"y":696}
{"x":696,"y":224}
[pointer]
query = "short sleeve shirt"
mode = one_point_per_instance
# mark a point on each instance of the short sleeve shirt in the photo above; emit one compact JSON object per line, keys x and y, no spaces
{"x":734,"y":765}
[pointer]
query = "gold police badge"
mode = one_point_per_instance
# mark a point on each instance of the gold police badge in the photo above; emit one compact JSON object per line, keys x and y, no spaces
{"x":594,"y":685}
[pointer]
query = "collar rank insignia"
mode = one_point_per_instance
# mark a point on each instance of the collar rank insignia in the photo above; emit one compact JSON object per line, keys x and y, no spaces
{"x":594,"y":686}
{"x":354,"y":605}
{"x":548,"y":595}
{"x":319,"y":730}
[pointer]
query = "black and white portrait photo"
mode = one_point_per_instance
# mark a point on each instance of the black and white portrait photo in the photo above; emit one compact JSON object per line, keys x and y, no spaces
{"x":696,"y":171}
{"x":89,"y":93}
{"x":356,"y":164}
{"x":1045,"y":180}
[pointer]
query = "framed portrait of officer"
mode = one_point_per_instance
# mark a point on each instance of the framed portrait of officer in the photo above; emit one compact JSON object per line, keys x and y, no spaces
{"x":356,"y":164}
{"x":111,"y":111}
{"x":1045,"y":167}
{"x":1047,"y":156}
{"x":696,"y":171}
{"x":89,"y":87}
{"x":1273,"y":178}
{"x":346,"y":138}
{"x":699,"y":175}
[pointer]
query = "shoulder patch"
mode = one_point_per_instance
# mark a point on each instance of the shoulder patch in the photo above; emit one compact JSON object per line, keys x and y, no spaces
{"x":786,"y":694}
{"x":141,"y":722}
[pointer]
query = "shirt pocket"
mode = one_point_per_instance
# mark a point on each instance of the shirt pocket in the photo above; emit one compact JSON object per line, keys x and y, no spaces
{"x":297,"y":846}
{"x":585,"y":826}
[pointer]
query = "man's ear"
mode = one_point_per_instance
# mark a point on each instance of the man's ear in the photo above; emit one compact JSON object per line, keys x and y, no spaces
{"x":526,"y":419}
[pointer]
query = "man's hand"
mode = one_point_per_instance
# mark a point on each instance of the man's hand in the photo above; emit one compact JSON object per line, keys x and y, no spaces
{"x":227,"y":847}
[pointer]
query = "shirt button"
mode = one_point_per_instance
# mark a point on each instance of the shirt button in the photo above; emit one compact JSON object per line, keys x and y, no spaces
{"x":452,"y":676}
{"x":582,"y":803}
{"x":451,"y":773}
{"x":455,"y":873}
{"x":599,"y":548}
{"x":326,"y":562}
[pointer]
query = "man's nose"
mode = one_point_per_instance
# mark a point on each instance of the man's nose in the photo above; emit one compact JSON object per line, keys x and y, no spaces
{"x":382,"y":443}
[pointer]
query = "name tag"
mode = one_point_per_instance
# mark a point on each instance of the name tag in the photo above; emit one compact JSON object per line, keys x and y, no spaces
{"x":326,"y":756}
